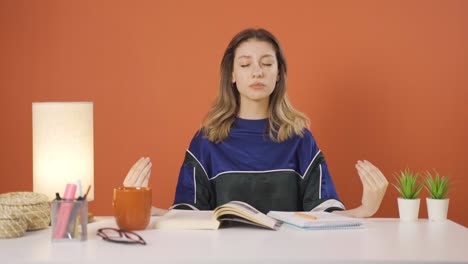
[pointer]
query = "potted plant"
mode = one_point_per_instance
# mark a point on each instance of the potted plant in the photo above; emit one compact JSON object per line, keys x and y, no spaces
{"x":409,"y":189}
{"x":437,"y":203}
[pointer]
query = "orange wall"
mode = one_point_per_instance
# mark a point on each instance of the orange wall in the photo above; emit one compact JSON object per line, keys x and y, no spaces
{"x":380,"y":80}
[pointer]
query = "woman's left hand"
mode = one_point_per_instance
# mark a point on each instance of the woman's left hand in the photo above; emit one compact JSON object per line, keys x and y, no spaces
{"x":139,"y":174}
{"x":374,"y":186}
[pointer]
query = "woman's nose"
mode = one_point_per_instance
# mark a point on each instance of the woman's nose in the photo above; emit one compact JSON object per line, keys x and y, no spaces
{"x":257,"y":71}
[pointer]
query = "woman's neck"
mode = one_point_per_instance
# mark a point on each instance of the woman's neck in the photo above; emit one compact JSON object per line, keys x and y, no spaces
{"x":250,"y":109}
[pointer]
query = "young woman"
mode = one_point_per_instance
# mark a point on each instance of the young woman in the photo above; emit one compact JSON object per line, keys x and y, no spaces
{"x":255,"y":147}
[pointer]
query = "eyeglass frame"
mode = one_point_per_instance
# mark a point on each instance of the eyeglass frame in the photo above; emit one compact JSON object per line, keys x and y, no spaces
{"x":122,"y":233}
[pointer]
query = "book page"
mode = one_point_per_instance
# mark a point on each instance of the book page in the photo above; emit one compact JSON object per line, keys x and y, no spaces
{"x":245,"y":211}
{"x":316,"y":220}
{"x":187,"y":219}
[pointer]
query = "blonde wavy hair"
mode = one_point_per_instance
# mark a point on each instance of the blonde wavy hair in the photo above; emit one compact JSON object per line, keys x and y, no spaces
{"x":284,"y":120}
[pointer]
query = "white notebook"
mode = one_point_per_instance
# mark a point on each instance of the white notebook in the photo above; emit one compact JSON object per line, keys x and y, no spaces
{"x":316,"y":220}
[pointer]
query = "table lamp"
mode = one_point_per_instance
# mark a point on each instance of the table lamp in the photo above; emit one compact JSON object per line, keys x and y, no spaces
{"x":63,"y":147}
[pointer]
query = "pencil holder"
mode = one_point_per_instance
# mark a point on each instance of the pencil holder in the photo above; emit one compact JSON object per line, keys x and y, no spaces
{"x":69,"y":220}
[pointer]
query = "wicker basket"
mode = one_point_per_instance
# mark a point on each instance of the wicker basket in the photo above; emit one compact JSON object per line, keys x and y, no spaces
{"x":33,"y":207}
{"x":12,"y":224}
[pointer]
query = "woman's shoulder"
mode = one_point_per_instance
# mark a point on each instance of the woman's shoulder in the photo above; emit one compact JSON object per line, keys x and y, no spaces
{"x":305,"y":135}
{"x":306,"y":138}
{"x":199,"y":141}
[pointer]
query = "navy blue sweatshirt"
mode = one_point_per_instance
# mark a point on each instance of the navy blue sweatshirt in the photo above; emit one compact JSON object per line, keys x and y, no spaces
{"x":248,"y":166}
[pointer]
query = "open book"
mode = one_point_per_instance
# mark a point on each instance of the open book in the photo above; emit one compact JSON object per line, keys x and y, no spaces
{"x":233,"y":211}
{"x":316,"y":220}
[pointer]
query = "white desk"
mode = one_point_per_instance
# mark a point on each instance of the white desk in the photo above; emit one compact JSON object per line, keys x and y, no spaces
{"x":383,"y":240}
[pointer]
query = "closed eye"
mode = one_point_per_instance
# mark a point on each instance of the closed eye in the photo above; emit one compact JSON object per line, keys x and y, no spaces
{"x":245,"y":65}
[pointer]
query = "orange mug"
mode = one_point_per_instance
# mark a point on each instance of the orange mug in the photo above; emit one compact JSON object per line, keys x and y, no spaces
{"x":132,"y":207}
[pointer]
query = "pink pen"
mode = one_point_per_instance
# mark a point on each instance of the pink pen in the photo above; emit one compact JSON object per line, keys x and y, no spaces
{"x":64,"y":211}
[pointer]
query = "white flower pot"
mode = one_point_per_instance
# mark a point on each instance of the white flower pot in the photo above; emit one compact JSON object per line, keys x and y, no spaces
{"x":437,"y":209}
{"x":408,"y":209}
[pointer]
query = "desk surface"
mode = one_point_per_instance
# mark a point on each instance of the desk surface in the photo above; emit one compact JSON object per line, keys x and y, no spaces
{"x":383,"y":240}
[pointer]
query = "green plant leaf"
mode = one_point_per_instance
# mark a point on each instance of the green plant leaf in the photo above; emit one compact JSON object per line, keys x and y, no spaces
{"x":407,"y":184}
{"x":437,"y":186}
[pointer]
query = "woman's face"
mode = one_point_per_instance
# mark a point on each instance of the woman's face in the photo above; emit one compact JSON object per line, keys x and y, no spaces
{"x":255,"y":70}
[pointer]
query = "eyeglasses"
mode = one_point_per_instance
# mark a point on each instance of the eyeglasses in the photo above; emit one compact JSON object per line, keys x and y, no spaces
{"x":120,"y":236}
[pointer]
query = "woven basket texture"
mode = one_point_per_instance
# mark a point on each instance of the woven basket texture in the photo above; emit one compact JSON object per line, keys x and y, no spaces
{"x":32,"y":207}
{"x":12,"y":225}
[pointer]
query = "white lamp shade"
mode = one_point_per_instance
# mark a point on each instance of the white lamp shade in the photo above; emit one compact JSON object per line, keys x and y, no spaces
{"x":63,"y":147}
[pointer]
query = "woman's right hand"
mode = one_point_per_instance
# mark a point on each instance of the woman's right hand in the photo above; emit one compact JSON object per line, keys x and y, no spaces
{"x":374,"y":186}
{"x":139,"y":174}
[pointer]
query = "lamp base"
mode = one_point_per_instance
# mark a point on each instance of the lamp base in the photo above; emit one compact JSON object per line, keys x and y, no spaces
{"x":90,"y":217}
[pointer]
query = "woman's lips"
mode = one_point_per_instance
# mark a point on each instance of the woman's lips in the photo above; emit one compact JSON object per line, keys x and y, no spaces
{"x":257,"y":85}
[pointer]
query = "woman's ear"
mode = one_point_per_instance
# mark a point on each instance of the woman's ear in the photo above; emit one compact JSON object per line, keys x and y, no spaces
{"x":278,"y":78}
{"x":233,"y":79}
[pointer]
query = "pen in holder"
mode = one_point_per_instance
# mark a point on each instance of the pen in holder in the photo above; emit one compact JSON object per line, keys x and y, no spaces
{"x":69,"y":220}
